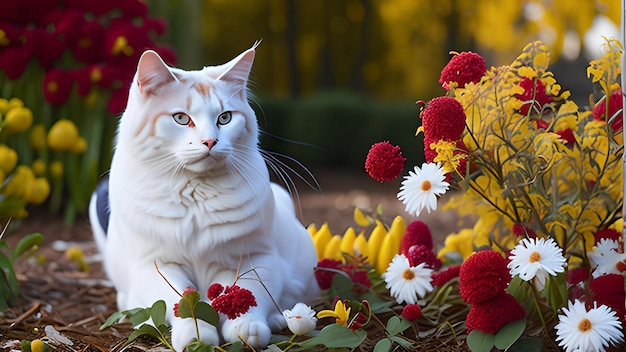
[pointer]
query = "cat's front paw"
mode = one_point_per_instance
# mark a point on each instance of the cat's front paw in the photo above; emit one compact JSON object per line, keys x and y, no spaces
{"x":184,"y":332}
{"x":248,"y":328}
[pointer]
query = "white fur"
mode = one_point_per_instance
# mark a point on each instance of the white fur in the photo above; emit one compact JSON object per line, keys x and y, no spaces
{"x":199,"y":214}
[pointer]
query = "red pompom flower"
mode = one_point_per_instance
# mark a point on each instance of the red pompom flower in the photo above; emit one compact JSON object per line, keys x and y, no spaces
{"x":443,"y":119}
{"x":411,"y":311}
{"x":463,"y":68}
{"x":442,"y":277}
{"x":609,"y":290}
{"x":234,"y":301}
{"x":534,"y":96}
{"x":418,"y":254}
{"x":417,"y":233}
{"x":384,"y":162}
{"x":490,"y":316}
{"x":483,"y":276}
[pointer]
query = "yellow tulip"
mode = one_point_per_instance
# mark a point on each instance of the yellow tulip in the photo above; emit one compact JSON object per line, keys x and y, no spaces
{"x":37,"y":345}
{"x":62,"y":135}
{"x":80,"y":146}
{"x":39,"y":191}
{"x":321,"y":239}
{"x":56,"y":169}
{"x":312,"y":229}
{"x":8,"y":159}
{"x":347,"y":241}
{"x":21,"y":182}
{"x":360,"y":218}
{"x":388,"y":249}
{"x":14,"y":103}
{"x":332,"y":248}
{"x":38,"y":137}
{"x":18,"y":119}
{"x":375,"y":240}
{"x":39,"y":167}
{"x":4,"y":106}
{"x":360,"y":245}
{"x":397,"y":229}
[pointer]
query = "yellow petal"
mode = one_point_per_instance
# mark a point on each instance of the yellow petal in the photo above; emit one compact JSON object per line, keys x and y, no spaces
{"x":398,"y":227}
{"x":376,"y":238}
{"x":332,"y":248}
{"x":388,"y":249}
{"x":360,"y":218}
{"x":360,"y":245}
{"x":347,"y":241}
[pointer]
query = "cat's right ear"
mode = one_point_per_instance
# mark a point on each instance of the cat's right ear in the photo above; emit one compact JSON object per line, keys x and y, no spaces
{"x":152,"y":73}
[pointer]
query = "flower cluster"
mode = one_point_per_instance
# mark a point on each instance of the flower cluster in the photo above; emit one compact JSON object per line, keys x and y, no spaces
{"x":540,"y":179}
{"x":71,"y":63}
{"x":232,"y":301}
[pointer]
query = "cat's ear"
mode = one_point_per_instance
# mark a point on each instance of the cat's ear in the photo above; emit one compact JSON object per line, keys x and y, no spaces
{"x":238,"y":69}
{"x":152,"y":73}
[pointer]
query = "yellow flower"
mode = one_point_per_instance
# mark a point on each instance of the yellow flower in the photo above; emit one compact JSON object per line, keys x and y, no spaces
{"x":18,"y":119}
{"x":8,"y":159}
{"x":38,"y":137}
{"x":341,"y":314}
{"x":321,"y":239}
{"x":76,"y":255}
{"x":360,"y":218}
{"x":375,"y":240}
{"x":63,"y":135}
{"x":56,"y":169}
{"x":21,"y":183}
{"x":80,"y":146}
{"x":37,"y":345}
{"x":39,"y":191}
{"x":347,"y":241}
{"x":39,"y":167}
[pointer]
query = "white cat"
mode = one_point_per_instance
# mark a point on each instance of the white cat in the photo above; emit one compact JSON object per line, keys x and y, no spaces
{"x":190,"y":191}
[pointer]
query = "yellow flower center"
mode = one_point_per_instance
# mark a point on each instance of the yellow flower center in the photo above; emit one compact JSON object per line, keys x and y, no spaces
{"x":426,"y":185}
{"x":534,"y":257}
{"x":52,"y":87}
{"x":408,"y":274}
{"x":585,"y":325}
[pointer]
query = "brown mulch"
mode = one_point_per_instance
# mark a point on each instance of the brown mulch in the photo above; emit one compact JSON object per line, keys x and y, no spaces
{"x":66,"y":307}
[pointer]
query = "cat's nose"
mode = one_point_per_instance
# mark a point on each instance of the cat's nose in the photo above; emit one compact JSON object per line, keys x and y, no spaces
{"x":209,"y":142}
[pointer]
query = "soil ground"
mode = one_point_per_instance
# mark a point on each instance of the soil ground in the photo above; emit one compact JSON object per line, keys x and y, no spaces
{"x":66,"y":306}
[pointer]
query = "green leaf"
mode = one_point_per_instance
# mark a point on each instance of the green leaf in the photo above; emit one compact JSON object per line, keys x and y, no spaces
{"x":145,"y":329}
{"x":479,"y":341}
{"x":395,"y":325}
{"x":6,"y":264}
{"x":112,"y":320}
{"x":383,"y":345}
{"x":335,"y":336}
{"x":406,"y":344}
{"x":509,"y":333}
{"x":187,"y":304}
{"x":26,"y":243}
{"x":205,"y":312}
{"x":141,"y":316}
{"x":527,"y":344}
{"x":157,"y":312}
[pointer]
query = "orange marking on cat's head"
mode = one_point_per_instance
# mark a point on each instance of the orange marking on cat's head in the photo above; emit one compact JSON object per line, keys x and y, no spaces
{"x":202,"y":88}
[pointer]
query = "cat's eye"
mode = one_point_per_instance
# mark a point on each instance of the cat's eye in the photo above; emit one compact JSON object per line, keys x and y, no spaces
{"x":224,"y":118}
{"x":182,"y":119}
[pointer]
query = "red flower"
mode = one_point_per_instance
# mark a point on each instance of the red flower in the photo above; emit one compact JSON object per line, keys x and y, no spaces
{"x":416,"y":233}
{"x":442,"y":277}
{"x":520,"y":230}
{"x":463,"y":68}
{"x":411,"y":312}
{"x":443,"y":118}
{"x":46,"y":47}
{"x":176,"y":309}
{"x":615,"y":104}
{"x":86,"y":48}
{"x":325,"y":277}
{"x":609,"y":290}
{"x":483,"y":276}
{"x":384,"y":162}
{"x":607,"y":233}
{"x":214,"y":290}
{"x":577,"y":275}
{"x":491,"y":315}
{"x":534,"y":97}
{"x":418,"y":254}
{"x":119,"y":98}
{"x":234,"y":302}
{"x":14,"y":60}
{"x":57,"y":86}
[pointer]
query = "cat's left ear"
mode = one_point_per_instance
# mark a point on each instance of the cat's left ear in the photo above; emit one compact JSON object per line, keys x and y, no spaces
{"x":238,"y":69}
{"x":152,"y":73}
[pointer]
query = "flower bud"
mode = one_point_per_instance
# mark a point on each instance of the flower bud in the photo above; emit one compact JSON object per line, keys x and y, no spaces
{"x":18,"y":119}
{"x":63,"y":135}
{"x":8,"y":159}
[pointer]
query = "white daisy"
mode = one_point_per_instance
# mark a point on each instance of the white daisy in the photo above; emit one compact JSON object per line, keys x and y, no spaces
{"x":301,"y":319}
{"x":593,"y":330}
{"x":405,"y":282}
{"x":606,"y":258}
{"x":534,"y":258}
{"x":421,"y":188}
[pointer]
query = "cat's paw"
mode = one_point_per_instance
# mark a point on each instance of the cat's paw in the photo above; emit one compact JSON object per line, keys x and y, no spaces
{"x":248,"y":328}
{"x":277,"y":321}
{"x":184,"y":332}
